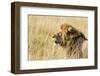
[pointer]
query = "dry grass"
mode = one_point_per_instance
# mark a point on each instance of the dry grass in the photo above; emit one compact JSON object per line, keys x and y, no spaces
{"x":41,"y":30}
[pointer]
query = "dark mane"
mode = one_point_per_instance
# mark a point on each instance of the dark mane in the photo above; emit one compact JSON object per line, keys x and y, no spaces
{"x":71,"y":40}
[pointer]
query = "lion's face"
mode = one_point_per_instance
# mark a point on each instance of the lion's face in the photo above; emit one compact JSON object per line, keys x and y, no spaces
{"x":62,"y":37}
{"x":58,"y":38}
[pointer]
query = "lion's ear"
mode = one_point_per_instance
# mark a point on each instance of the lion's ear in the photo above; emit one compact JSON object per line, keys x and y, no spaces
{"x":70,"y":29}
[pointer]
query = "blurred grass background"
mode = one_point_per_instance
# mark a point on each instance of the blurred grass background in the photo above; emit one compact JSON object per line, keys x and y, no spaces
{"x":40,"y":32}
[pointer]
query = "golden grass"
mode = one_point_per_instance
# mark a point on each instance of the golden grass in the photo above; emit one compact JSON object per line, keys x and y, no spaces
{"x":42,"y":28}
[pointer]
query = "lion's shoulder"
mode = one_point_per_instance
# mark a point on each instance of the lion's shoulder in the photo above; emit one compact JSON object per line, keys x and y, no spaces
{"x":85,"y":48}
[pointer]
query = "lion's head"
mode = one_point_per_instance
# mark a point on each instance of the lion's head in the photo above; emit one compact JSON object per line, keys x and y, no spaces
{"x":66,"y":33}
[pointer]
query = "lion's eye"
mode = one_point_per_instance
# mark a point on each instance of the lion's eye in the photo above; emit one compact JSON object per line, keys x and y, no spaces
{"x":60,"y":34}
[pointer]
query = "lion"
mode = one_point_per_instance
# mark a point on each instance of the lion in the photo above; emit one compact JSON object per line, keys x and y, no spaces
{"x":72,"y":41}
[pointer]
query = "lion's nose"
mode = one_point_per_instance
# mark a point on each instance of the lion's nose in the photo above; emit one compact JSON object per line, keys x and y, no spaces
{"x":56,"y":42}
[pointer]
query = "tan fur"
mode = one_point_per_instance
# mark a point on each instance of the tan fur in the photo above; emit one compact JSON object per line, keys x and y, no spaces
{"x":85,"y":49}
{"x":73,"y":41}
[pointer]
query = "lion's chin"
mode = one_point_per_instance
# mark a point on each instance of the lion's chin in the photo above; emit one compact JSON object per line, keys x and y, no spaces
{"x":56,"y":44}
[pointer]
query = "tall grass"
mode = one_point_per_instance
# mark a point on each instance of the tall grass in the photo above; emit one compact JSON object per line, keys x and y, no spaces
{"x":42,"y":28}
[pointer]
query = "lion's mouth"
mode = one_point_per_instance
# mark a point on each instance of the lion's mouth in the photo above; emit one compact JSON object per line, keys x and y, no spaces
{"x":57,"y":42}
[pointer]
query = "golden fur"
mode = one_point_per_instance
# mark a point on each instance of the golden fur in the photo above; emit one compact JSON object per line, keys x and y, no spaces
{"x":72,"y":41}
